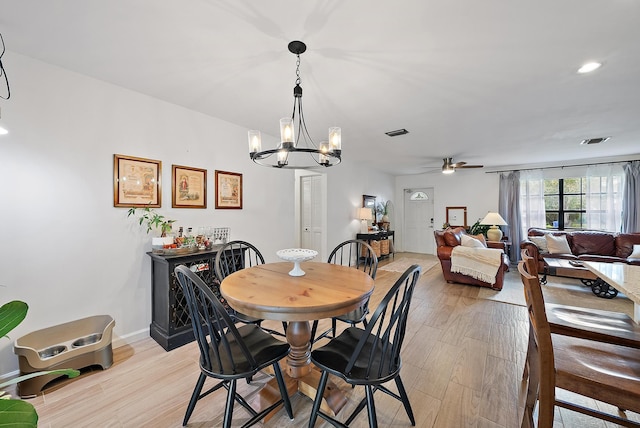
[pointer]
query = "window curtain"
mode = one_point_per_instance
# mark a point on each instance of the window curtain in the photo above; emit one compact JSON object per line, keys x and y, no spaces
{"x":509,"y":209}
{"x":631,"y":198}
{"x":603,"y":197}
{"x":532,"y":213}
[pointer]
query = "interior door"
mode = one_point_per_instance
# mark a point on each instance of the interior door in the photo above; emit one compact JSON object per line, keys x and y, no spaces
{"x":418,"y":221}
{"x":311,"y":212}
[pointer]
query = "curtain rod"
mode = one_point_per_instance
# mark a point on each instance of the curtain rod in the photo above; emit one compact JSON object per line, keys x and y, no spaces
{"x":561,"y":166}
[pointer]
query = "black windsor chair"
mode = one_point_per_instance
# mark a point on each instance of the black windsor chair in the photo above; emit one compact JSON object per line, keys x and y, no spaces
{"x":228,"y":353}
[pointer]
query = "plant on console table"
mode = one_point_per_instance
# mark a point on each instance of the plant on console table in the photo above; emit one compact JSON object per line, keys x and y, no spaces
{"x":152,"y":220}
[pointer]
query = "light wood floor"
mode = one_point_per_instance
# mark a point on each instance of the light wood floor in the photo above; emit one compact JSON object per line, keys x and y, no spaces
{"x":462,"y":367}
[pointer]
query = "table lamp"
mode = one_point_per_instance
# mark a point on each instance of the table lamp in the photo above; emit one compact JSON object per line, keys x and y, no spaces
{"x":365,"y":216}
{"x":494,"y":219}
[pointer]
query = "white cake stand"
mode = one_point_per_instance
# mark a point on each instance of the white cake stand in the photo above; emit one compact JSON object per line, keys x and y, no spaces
{"x":297,"y":256}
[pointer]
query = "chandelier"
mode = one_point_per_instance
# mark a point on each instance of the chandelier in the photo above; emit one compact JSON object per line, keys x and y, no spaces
{"x":297,"y":149}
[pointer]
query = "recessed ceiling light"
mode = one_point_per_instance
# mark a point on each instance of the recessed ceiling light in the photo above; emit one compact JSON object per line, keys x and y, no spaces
{"x":594,"y":140}
{"x":589,"y":67}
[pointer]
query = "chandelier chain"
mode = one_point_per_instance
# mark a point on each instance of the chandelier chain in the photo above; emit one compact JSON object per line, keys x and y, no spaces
{"x":298,"y":70}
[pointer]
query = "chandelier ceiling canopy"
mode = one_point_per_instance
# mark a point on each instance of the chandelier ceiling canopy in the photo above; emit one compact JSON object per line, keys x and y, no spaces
{"x":296,"y":149}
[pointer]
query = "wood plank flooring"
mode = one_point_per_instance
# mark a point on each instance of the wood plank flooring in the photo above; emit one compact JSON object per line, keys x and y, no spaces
{"x":462,"y":367}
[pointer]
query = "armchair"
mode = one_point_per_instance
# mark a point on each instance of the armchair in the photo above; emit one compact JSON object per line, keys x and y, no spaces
{"x":449,"y":238}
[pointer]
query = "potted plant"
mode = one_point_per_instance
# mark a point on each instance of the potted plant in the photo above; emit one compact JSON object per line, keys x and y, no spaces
{"x":383,"y":209}
{"x":18,"y":413}
{"x":152,"y":220}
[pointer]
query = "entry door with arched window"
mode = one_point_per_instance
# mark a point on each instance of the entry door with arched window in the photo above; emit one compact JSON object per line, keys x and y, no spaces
{"x":418,"y":221}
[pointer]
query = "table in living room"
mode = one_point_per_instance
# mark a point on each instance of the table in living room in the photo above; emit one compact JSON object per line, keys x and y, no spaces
{"x":268,"y":291}
{"x":622,"y":276}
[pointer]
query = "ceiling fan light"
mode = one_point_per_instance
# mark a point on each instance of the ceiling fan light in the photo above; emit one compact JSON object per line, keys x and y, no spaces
{"x":589,"y":67}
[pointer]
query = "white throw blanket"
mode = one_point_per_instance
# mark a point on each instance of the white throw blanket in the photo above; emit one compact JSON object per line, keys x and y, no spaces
{"x":478,"y":263}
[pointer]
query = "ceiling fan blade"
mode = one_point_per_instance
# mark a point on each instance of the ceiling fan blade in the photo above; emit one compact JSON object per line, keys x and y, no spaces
{"x":470,"y":166}
{"x":458,"y":164}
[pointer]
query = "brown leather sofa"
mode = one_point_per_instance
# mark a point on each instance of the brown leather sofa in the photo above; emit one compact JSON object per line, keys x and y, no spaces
{"x":587,"y":245}
{"x":449,"y":238}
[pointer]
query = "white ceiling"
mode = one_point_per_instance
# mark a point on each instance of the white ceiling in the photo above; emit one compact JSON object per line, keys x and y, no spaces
{"x":491,"y":82}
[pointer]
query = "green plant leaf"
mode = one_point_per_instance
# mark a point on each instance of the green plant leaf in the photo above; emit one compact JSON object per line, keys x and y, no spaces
{"x":12,"y":314}
{"x":69,"y":372}
{"x":17,"y":414}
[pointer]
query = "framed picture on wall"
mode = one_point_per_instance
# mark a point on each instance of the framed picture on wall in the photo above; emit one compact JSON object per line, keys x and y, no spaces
{"x":188,"y":187}
{"x":368,"y":201}
{"x":136,"y":182}
{"x":228,"y":190}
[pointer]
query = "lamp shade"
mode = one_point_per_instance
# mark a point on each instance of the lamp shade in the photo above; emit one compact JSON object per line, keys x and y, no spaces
{"x":365,"y":214}
{"x":493,"y":219}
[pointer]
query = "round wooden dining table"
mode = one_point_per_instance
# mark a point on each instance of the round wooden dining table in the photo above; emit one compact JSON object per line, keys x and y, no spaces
{"x":268,"y":292}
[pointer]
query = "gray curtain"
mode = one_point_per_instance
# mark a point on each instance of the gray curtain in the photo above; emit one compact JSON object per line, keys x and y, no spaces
{"x":509,"y":209}
{"x":631,"y":198}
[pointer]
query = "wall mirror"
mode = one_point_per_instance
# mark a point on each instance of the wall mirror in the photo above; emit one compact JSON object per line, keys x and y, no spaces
{"x":368,"y":201}
{"x":457,"y":216}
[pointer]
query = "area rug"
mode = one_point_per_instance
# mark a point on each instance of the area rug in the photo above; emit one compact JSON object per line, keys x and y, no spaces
{"x":403,"y":263}
{"x":561,"y":290}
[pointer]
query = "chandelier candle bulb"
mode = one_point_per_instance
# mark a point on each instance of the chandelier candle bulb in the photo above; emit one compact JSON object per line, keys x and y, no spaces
{"x":255,"y":141}
{"x":335,"y":138}
{"x":282,"y":157}
{"x":286,"y":132}
{"x":324,"y":149}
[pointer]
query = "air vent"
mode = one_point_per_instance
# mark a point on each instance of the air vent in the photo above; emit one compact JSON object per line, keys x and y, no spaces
{"x":594,"y":140}
{"x":397,"y":132}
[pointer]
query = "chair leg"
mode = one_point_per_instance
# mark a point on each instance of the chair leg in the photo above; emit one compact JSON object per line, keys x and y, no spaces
{"x":283,"y":389}
{"x":333,"y":326}
{"x":194,"y":398}
{"x":284,"y":327}
{"x":228,"y":410}
{"x":314,"y":328}
{"x":316,"y":403}
{"x":371,"y":407}
{"x":405,"y":400}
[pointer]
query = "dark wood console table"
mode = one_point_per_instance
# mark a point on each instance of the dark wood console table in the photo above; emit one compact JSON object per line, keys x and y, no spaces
{"x":379,"y":236}
{"x":170,"y":322}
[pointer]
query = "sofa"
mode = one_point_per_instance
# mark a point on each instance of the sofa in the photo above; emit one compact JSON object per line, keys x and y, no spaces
{"x":449,"y":238}
{"x":584,"y":245}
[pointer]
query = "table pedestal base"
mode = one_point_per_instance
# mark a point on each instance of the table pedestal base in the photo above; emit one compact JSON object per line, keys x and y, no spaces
{"x":300,"y":375}
{"x":333,"y":399}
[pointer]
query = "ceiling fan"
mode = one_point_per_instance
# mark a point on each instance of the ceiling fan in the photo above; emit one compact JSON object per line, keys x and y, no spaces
{"x":448,"y":167}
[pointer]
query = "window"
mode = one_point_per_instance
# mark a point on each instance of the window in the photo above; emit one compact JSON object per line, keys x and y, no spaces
{"x":591,"y":200}
{"x":564,"y":203}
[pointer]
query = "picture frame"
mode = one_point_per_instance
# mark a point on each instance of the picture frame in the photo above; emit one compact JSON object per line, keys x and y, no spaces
{"x":368,"y":201}
{"x":188,"y":187}
{"x":229,"y":190}
{"x":137,"y":182}
{"x":457,"y":216}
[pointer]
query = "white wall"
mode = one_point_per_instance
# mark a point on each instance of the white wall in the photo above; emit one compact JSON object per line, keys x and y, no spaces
{"x":68,"y":252}
{"x":474,"y":189}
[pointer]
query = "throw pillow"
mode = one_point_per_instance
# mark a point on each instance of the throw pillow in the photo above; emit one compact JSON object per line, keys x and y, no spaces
{"x":480,"y":237}
{"x":635,"y":254}
{"x":468,"y":241}
{"x":540,"y":241}
{"x":557,"y":244}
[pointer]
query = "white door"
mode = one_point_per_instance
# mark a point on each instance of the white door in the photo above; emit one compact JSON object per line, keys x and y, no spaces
{"x":311,"y":212}
{"x":418,"y":221}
